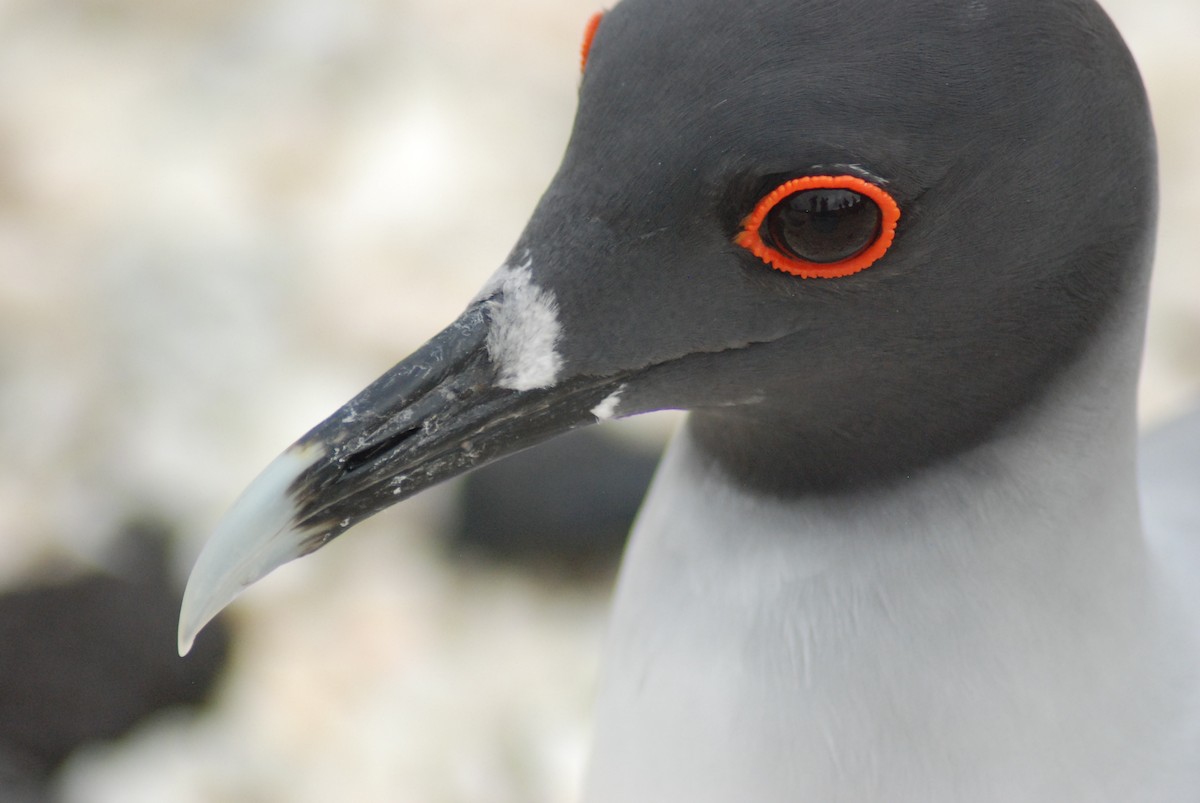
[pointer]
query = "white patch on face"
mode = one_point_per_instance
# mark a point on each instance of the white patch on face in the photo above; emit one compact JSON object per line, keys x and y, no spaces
{"x":524,"y":329}
{"x":608,"y":408}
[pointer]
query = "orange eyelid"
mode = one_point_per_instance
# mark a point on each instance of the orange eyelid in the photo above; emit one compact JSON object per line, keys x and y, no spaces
{"x":750,"y":238}
{"x":589,"y":33}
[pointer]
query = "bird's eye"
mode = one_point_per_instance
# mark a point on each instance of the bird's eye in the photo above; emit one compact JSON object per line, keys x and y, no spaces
{"x":821,"y":226}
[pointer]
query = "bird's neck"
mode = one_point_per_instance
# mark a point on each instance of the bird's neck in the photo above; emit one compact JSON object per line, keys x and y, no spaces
{"x":985,"y":630}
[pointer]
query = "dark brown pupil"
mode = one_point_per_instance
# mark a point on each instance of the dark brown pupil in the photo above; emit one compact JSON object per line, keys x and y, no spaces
{"x":823,"y":225}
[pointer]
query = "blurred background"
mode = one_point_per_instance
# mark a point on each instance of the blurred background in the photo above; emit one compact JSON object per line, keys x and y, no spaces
{"x":219,"y":220}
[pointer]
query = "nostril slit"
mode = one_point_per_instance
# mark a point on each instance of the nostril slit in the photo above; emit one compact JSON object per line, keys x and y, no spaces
{"x":368,"y":455}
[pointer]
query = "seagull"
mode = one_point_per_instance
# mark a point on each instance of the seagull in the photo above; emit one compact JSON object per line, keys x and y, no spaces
{"x":893,"y":258}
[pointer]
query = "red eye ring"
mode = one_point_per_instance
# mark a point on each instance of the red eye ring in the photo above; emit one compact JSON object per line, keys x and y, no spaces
{"x":589,"y":33}
{"x":750,"y":237}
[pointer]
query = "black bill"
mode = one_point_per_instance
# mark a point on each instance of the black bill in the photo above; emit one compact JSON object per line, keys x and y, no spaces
{"x":433,"y":416}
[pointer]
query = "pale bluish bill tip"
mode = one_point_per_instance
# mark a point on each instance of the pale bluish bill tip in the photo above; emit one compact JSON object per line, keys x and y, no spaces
{"x":255,"y":537}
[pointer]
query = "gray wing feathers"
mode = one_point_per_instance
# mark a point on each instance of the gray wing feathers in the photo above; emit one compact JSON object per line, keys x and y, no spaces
{"x":1169,"y":475}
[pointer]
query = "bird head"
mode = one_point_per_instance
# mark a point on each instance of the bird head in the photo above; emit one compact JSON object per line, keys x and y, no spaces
{"x":853,"y":238}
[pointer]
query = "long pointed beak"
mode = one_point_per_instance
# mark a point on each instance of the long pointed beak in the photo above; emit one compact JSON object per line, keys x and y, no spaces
{"x":433,"y":416}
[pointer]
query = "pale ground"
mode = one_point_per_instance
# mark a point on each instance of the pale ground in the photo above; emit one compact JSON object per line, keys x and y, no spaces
{"x":217,"y":221}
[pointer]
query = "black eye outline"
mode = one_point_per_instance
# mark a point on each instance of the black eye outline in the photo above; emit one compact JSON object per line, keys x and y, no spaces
{"x":750,"y":237}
